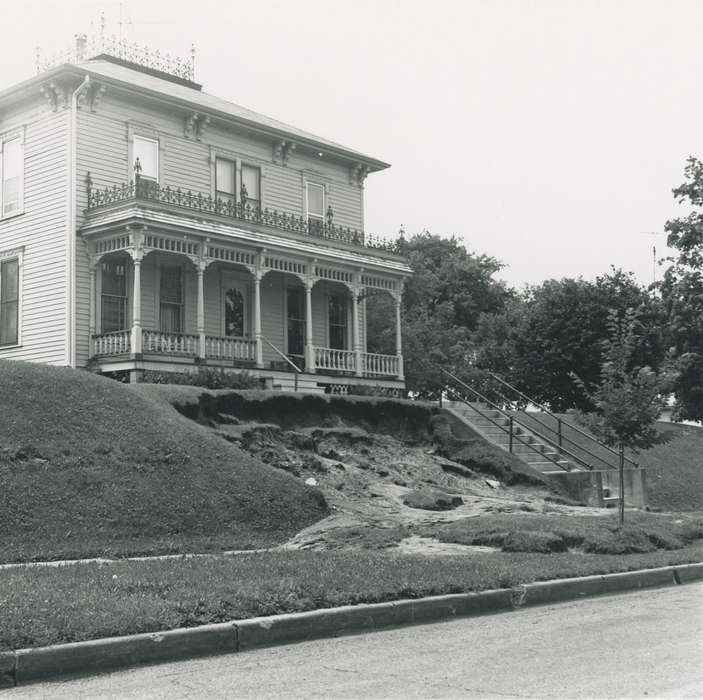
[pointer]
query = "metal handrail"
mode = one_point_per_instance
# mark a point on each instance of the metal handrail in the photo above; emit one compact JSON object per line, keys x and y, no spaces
{"x":558,"y":432}
{"x":287,"y":359}
{"x":512,"y":434}
{"x":510,"y":418}
{"x":561,"y":421}
{"x":551,"y":442}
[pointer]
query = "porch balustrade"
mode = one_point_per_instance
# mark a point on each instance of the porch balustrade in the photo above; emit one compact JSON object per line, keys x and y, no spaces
{"x":116,"y":343}
{"x":380,"y":365}
{"x":239,"y":349}
{"x":335,"y":360}
{"x":169,"y":343}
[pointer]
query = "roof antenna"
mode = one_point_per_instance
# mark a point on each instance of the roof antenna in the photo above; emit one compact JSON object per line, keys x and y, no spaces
{"x":192,"y":61}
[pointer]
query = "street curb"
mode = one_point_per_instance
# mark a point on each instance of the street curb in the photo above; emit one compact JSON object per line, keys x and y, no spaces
{"x":542,"y":592}
{"x":44,"y":663}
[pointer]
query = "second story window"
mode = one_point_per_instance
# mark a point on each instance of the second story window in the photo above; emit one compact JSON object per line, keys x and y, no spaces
{"x":11,"y":176}
{"x":224,"y":181}
{"x":251,"y":186}
{"x":315,"y":203}
{"x":147,"y":151}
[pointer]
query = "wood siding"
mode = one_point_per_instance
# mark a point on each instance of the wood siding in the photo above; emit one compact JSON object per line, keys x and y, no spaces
{"x":103,"y":150}
{"x":41,"y":229}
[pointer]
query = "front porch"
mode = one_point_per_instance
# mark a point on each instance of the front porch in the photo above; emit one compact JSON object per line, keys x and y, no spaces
{"x":167,"y":303}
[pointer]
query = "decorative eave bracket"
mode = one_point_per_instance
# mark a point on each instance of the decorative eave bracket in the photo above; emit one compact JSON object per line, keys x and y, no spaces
{"x":358,"y":173}
{"x":282,"y":151}
{"x":195,"y":126}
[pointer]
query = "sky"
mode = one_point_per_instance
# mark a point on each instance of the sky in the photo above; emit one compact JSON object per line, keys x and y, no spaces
{"x":545,"y":133}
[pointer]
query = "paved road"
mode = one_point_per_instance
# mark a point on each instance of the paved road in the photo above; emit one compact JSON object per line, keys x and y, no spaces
{"x":643,"y":644}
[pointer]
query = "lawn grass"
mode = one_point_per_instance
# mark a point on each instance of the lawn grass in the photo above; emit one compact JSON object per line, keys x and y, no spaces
{"x":532,"y":532}
{"x":89,"y":466}
{"x":674,"y":467}
{"x":41,"y":606}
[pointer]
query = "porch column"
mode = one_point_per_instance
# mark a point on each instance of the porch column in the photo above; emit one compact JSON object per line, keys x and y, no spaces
{"x":399,"y":335}
{"x":201,"y":309}
{"x":309,"y":349}
{"x":356,"y":344}
{"x":257,"y":319}
{"x":136,"y":343}
{"x":91,"y":311}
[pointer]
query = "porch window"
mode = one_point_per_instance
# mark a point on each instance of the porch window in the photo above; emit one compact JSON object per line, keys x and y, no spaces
{"x":171,"y":299}
{"x":234,"y":313}
{"x":147,"y":151}
{"x":315,"y":196}
{"x":224,"y":181}
{"x":337,"y":314}
{"x":9,"y":301}
{"x":251,"y":186}
{"x":113,"y":297}
{"x":11,"y":175}
{"x":295,"y":300}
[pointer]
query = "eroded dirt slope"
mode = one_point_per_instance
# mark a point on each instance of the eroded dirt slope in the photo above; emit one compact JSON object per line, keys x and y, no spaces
{"x":367,"y":478}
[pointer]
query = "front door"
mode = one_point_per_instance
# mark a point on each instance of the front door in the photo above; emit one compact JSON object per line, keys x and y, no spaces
{"x":295,"y":309}
{"x":234,"y":311}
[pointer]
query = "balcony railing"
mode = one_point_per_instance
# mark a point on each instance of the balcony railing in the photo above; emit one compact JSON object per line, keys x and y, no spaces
{"x":380,"y":365}
{"x":148,"y":191}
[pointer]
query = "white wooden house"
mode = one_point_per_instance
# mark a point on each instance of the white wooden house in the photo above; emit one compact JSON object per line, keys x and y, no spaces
{"x":147,"y":225}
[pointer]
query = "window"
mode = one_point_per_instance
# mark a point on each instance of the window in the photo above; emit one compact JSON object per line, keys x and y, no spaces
{"x":11,"y":175}
{"x":147,"y":151}
{"x":9,"y":301}
{"x":171,"y":300}
{"x":113,"y":296}
{"x":315,"y":207}
{"x":224,"y":181}
{"x":337,"y":314}
{"x":251,"y":186}
{"x":234,"y":313}
{"x":295,"y":301}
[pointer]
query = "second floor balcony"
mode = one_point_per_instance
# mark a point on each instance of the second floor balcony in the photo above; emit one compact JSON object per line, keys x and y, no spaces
{"x":148,"y":193}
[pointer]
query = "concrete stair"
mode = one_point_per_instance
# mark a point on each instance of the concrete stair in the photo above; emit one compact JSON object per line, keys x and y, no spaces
{"x":530,"y":448}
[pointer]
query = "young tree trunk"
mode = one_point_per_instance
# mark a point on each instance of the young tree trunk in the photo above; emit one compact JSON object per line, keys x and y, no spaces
{"x":622,"y":484}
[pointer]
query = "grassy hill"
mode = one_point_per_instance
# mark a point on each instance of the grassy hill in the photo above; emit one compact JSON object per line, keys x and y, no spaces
{"x":89,"y":466}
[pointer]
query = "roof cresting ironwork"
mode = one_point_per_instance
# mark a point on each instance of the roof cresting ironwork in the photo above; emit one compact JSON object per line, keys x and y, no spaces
{"x":86,"y":47}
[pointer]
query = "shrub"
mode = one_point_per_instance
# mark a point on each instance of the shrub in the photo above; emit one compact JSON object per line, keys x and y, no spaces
{"x":206,"y":377}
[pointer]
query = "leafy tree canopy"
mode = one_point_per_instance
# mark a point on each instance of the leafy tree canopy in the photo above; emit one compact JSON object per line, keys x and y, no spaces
{"x":557,"y":328}
{"x":682,"y":295}
{"x":442,"y":302}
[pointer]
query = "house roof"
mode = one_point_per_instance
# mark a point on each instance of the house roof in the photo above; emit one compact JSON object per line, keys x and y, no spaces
{"x":132,"y":78}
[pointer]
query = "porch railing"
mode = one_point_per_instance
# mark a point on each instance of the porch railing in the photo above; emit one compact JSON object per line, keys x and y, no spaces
{"x":148,"y":191}
{"x":230,"y":348}
{"x":117,"y":343}
{"x":169,"y":343}
{"x":380,"y":365}
{"x":335,"y":360}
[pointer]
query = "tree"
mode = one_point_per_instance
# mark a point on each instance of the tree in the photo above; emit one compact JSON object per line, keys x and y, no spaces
{"x":449,"y":290}
{"x":682,"y":296}
{"x":557,"y":328}
{"x":627,"y":398}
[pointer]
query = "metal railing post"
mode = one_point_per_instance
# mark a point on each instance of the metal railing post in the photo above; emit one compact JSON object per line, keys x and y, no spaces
{"x":559,"y":430}
{"x":510,"y":429}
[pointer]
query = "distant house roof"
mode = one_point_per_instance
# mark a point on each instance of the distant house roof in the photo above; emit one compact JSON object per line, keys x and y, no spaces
{"x":149,"y":82}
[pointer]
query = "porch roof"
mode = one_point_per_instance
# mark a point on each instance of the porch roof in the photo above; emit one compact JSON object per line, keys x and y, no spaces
{"x":136,"y":214}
